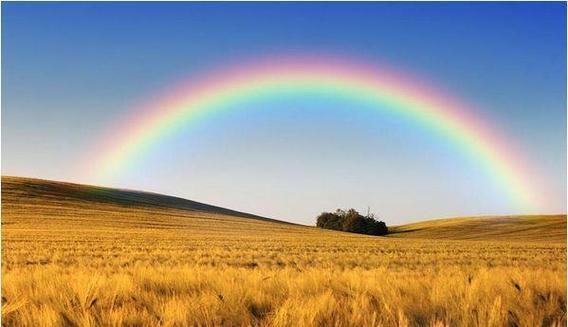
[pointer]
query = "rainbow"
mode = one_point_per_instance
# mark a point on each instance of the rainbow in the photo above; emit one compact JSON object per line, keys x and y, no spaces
{"x":218,"y":91}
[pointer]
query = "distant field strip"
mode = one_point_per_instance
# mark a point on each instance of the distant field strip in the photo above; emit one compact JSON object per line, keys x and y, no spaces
{"x":77,"y":256}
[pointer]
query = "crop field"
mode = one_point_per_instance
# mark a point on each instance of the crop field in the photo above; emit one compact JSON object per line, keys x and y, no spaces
{"x":81,"y":256}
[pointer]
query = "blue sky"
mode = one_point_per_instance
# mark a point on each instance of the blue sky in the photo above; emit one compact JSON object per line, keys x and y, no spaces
{"x":70,"y":69}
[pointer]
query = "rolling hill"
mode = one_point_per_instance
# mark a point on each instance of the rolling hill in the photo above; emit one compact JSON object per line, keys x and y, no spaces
{"x":547,"y":228}
{"x":42,"y":204}
{"x":35,"y":203}
{"x":25,"y":191}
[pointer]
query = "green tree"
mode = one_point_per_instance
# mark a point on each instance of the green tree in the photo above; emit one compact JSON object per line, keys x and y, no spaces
{"x":351,"y":221}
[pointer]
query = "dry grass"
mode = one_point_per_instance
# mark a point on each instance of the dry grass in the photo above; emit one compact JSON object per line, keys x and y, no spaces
{"x":541,"y":228}
{"x":72,"y":260}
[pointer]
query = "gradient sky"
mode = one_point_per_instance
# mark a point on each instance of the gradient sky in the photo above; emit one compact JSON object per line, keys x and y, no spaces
{"x":70,"y":69}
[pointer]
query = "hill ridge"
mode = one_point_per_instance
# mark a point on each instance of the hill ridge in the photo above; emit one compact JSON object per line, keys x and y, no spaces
{"x":117,"y":196}
{"x":550,"y":227}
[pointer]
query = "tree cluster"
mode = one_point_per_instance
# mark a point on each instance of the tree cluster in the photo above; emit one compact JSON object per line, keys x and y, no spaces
{"x":351,"y":221}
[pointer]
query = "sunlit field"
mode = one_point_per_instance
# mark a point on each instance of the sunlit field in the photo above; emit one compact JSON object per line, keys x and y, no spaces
{"x":79,"y":256}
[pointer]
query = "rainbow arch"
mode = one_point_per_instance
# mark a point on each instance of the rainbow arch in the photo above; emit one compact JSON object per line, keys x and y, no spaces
{"x":211,"y":94}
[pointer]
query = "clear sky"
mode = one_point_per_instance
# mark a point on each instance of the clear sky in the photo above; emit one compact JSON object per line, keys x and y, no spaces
{"x":70,"y":69}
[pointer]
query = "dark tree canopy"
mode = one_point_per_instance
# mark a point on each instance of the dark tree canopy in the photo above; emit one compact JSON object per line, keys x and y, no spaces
{"x":351,"y":221}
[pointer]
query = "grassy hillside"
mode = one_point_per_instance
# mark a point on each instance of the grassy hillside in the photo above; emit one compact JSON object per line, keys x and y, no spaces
{"x":544,"y":228}
{"x":55,"y":199}
{"x":77,"y":255}
{"x":56,"y":207}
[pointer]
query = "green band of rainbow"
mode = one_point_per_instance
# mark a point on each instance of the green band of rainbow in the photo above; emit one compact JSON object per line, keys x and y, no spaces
{"x":219,"y":91}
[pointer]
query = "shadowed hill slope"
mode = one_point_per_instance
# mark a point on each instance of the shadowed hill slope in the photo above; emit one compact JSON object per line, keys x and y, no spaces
{"x":15,"y":189}
{"x":35,"y":203}
{"x":546,"y":228}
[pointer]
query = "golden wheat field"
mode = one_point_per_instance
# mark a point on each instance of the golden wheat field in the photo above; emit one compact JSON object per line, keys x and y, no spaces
{"x":83,"y":256}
